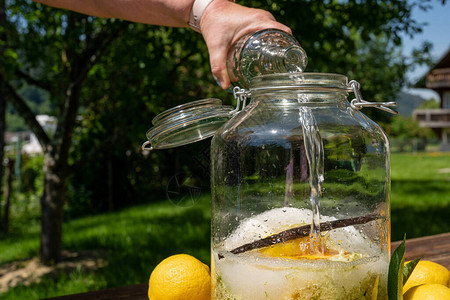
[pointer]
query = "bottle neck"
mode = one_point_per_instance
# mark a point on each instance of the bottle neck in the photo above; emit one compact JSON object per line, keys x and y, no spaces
{"x":267,"y":51}
{"x":276,"y":59}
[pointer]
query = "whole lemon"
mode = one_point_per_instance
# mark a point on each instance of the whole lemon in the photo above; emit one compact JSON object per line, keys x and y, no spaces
{"x":432,"y":291}
{"x":180,"y":277}
{"x":427,"y":272}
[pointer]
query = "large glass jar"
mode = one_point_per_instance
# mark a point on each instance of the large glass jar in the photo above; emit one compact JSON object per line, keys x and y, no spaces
{"x":300,"y":155}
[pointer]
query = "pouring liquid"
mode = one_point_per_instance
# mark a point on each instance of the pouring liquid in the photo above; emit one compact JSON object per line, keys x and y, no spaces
{"x":314,"y":154}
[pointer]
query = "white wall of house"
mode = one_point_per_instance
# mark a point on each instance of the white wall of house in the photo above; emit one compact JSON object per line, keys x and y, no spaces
{"x":32,"y":145}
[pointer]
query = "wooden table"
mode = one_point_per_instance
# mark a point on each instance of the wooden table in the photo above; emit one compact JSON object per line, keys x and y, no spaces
{"x":435,"y":248}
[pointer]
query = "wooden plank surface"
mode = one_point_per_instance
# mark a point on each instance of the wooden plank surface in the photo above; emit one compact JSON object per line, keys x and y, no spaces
{"x":434,"y":248}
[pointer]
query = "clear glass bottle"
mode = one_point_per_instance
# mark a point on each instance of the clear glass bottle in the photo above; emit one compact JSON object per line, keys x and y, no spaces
{"x":264,"y":52}
{"x":300,"y":154}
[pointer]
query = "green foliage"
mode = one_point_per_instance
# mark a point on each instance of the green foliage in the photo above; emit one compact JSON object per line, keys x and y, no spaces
{"x":14,"y":122}
{"x":37,"y":99}
{"x":409,"y":268}
{"x":27,"y":191}
{"x":148,"y":69}
{"x":395,"y":277}
{"x":429,"y":104}
{"x":407,"y":128}
{"x":399,"y":272}
{"x":405,"y":131}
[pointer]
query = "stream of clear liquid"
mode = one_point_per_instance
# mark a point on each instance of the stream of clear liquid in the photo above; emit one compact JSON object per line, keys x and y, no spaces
{"x":315,"y":156}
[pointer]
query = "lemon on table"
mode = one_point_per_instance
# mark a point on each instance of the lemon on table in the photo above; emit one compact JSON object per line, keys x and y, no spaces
{"x":427,"y":272}
{"x":433,"y":291}
{"x":180,"y":277}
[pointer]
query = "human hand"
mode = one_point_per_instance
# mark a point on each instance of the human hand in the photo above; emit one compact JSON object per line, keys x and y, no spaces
{"x":224,"y":23}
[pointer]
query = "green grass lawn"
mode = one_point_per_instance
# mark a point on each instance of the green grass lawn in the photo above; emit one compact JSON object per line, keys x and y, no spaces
{"x":137,"y":238}
{"x":420,"y":197}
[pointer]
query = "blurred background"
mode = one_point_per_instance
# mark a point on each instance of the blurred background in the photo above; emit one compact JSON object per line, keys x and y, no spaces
{"x":77,"y":95}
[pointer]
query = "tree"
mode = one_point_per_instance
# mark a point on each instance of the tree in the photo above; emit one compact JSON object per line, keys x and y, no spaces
{"x":429,"y":104}
{"x":59,"y":49}
{"x":2,"y":99}
{"x":157,"y":68}
{"x":90,"y":67}
{"x":4,"y":221}
{"x":407,"y":131}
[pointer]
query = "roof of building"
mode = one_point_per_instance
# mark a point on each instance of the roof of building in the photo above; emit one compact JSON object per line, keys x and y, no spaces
{"x":443,"y":62}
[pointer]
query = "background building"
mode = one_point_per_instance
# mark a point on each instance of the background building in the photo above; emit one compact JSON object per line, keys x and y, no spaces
{"x":437,"y":79}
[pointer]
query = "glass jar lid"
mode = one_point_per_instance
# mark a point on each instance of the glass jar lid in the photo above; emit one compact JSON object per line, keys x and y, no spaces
{"x":187,"y":123}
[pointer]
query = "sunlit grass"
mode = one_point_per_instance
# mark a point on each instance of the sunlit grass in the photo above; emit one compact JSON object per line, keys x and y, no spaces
{"x":420,"y":197}
{"x":135,"y":240}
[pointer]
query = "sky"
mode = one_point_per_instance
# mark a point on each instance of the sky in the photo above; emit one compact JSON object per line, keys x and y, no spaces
{"x":437,"y":31}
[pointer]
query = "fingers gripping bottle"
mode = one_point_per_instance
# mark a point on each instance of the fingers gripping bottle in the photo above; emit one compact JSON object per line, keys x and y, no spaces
{"x":267,"y":51}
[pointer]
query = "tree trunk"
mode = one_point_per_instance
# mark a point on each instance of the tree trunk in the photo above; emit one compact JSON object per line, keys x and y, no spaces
{"x":110,"y":180}
{"x":52,"y":206}
{"x":2,"y":97}
{"x":77,"y":63}
{"x":2,"y":140}
{"x":8,"y":192}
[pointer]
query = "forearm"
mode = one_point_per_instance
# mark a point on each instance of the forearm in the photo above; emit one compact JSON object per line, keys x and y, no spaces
{"x":223,"y":22}
{"x":173,"y":13}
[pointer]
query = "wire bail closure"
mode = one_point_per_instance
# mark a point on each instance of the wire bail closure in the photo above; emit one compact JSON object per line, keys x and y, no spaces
{"x":241,"y":96}
{"x":358,"y":103}
{"x":144,"y":146}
